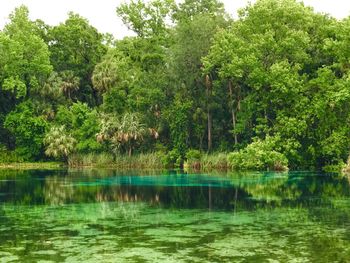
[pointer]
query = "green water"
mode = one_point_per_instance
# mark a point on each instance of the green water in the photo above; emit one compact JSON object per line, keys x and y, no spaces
{"x":110,"y":216}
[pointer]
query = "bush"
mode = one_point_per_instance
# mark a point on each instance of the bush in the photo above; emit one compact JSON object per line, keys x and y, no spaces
{"x":7,"y":156}
{"x":193,"y":155}
{"x":28,"y":129}
{"x":172,"y":159}
{"x":259,"y":155}
{"x":193,"y":158}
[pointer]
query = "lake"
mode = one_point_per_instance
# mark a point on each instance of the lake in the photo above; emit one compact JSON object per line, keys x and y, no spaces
{"x":134,"y":216}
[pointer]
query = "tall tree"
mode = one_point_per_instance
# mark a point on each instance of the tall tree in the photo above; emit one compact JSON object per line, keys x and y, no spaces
{"x":24,"y":64}
{"x":77,"y":46}
{"x":146,"y":19}
{"x":192,"y":40}
{"x":24,"y":59}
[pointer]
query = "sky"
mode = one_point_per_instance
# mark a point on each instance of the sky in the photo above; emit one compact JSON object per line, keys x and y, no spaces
{"x":101,"y":13}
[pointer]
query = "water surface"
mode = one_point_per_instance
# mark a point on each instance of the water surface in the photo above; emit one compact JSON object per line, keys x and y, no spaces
{"x":113,"y":216}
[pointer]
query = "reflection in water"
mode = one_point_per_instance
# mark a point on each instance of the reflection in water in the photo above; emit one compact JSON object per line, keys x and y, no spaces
{"x":113,"y":216}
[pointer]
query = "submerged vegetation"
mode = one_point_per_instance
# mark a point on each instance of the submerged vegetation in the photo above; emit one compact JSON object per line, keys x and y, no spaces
{"x":94,"y":215}
{"x":194,"y":88}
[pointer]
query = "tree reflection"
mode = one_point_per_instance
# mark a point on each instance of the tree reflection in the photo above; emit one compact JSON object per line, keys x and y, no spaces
{"x":58,"y":190}
{"x":234,"y":191}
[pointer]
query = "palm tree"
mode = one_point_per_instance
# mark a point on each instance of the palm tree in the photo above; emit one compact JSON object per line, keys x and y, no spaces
{"x":59,"y":144}
{"x":52,"y":87}
{"x":105,"y":75}
{"x":130,"y":130}
{"x":70,"y":83}
{"x":126,"y":131}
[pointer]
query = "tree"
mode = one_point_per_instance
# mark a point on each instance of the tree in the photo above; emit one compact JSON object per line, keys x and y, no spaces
{"x":59,"y":144}
{"x":146,"y":19}
{"x":27,"y":129}
{"x":261,"y":61}
{"x":188,"y":9}
{"x":69,"y":84}
{"x":24,"y":59}
{"x":192,"y":42}
{"x":82,"y":123}
{"x":178,"y":117}
{"x":24,"y":65}
{"x":111,"y":71}
{"x":124,"y":132}
{"x":76,"y":47}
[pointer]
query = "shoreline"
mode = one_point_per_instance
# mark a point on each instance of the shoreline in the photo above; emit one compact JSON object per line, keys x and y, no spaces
{"x":32,"y":165}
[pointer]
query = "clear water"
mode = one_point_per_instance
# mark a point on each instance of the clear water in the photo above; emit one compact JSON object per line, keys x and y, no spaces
{"x":110,"y":216}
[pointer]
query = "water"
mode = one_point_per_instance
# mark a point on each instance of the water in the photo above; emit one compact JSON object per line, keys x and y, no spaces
{"x":110,"y":216}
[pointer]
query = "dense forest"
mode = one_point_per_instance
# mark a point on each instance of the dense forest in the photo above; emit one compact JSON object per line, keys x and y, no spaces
{"x":267,"y":90}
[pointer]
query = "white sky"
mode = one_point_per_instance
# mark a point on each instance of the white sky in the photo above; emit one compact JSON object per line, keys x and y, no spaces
{"x":102,"y":15}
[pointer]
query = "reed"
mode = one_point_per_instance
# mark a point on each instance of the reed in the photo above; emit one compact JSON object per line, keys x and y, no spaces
{"x":139,"y":161}
{"x":217,"y":161}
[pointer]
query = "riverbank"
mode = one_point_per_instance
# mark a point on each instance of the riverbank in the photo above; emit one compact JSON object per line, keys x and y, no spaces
{"x":216,"y":161}
{"x":195,"y":161}
{"x":32,"y":165}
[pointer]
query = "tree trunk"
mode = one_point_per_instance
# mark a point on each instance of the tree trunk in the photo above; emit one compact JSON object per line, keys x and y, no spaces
{"x":232,"y":112}
{"x":209,"y":117}
{"x":130,"y":151}
{"x":209,"y":130}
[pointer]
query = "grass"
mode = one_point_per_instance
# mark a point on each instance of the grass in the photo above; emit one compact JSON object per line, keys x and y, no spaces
{"x":216,"y":161}
{"x":213,"y":161}
{"x":139,"y":161}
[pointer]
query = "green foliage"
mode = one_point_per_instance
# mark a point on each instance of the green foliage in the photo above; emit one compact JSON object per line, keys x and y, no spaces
{"x":259,"y":155}
{"x":193,"y":155}
{"x":76,"y":47}
{"x":187,"y":9}
{"x":112,"y":71}
{"x":191,"y":78}
{"x":59,"y":144}
{"x":146,"y":19}
{"x":179,"y":121}
{"x":83,"y":123}
{"x":7,"y":156}
{"x":173,"y":159}
{"x":28,"y":129}
{"x":125,"y":132}
{"x":24,"y":59}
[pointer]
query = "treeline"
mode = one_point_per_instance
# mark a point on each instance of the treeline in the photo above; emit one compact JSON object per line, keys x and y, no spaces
{"x":271,"y":88}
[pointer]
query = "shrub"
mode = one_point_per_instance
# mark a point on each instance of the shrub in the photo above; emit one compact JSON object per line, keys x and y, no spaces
{"x":193,"y":158}
{"x":193,"y":155}
{"x":259,"y":155}
{"x":7,"y":156}
{"x":172,"y":159}
{"x":28,"y":129}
